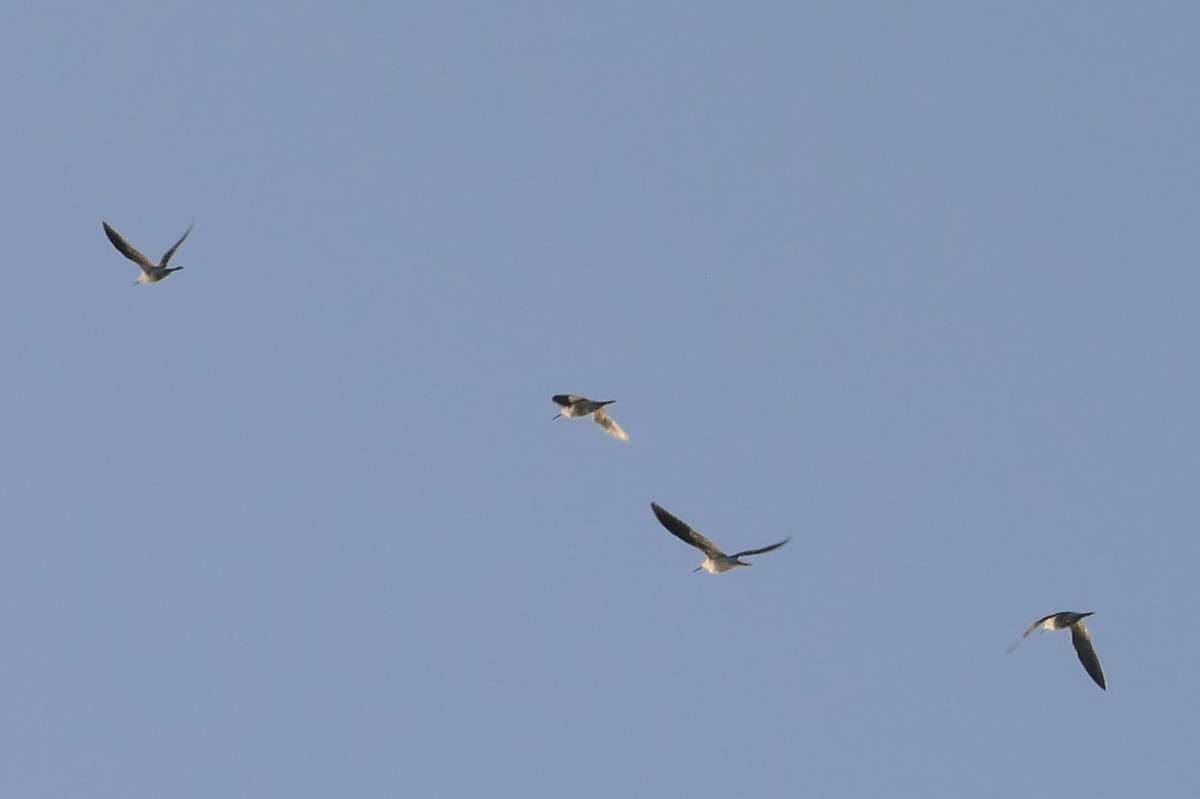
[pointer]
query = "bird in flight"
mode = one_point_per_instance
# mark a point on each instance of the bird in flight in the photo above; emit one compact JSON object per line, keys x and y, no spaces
{"x":1080,"y":638}
{"x":715,"y":560}
{"x":151,"y":272}
{"x":574,"y":406}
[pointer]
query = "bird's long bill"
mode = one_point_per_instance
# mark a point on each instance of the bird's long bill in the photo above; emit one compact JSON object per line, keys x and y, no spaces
{"x":698,"y":568}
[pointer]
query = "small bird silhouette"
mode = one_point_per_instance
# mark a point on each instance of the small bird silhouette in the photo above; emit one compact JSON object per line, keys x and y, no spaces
{"x":151,"y":272}
{"x":715,"y":561}
{"x":1081,"y":639}
{"x":574,"y":406}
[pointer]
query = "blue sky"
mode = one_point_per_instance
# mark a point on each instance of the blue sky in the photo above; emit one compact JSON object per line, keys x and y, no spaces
{"x":915,"y":286}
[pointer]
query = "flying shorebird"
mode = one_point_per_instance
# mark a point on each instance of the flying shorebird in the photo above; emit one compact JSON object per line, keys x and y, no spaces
{"x":151,"y":272}
{"x":1080,"y":638}
{"x":574,"y":406}
{"x":716,"y":560}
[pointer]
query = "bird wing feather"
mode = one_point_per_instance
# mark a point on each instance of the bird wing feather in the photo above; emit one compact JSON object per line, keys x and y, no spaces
{"x":1082,"y":641}
{"x":610,"y":425}
{"x":684,"y":532}
{"x":771,"y":548}
{"x":125,"y":248}
{"x":1030,"y":630}
{"x":167,"y":257}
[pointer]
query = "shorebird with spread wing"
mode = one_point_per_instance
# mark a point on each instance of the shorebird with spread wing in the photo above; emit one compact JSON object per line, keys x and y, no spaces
{"x":573,"y":406}
{"x":1080,"y":638}
{"x":715,"y":561}
{"x":151,"y":272}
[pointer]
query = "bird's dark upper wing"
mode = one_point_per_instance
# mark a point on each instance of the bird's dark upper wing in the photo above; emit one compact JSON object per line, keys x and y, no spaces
{"x":1082,"y":640}
{"x":771,"y":548}
{"x":166,"y":258}
{"x":125,"y":248}
{"x":684,"y":532}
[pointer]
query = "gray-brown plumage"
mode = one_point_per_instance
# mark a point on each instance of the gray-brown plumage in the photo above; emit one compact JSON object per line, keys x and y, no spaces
{"x":151,"y":272}
{"x":1081,"y":639}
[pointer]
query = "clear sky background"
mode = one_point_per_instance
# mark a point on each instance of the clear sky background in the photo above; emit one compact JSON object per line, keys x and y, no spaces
{"x":917,"y":286}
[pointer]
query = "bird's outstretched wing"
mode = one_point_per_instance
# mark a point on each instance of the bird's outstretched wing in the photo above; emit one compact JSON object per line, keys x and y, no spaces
{"x":1082,"y":641}
{"x":684,"y":532}
{"x":771,"y":548}
{"x":610,"y":425}
{"x":127,"y":249}
{"x":1029,"y":631}
{"x":167,"y":257}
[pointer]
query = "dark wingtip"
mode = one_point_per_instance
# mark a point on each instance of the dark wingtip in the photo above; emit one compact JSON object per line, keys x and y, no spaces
{"x":664,"y":516}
